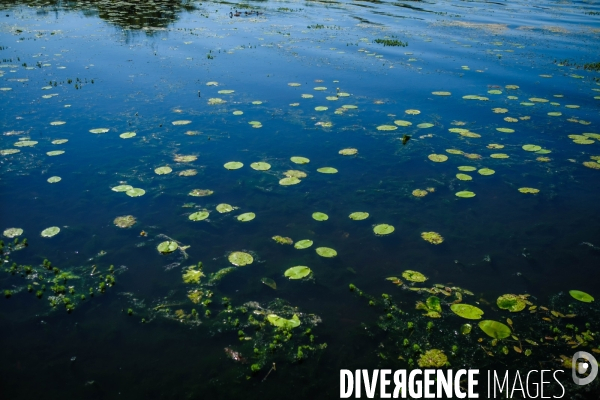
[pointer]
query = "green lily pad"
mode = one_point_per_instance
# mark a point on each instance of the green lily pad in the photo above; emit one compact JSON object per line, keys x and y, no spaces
{"x":486,"y":171}
{"x":425,"y":125}
{"x":326,"y":252}
{"x":122,"y":188}
{"x":438,"y":157}
{"x":581,"y":296}
{"x":294,"y":173}
{"x":319,"y":216}
{"x":297,"y":272}
{"x":505,"y":130}
{"x":465,"y":329}
{"x":464,"y":177}
{"x":14,"y":232}
{"x":163,"y":170}
{"x":224,"y":208}
{"x":127,"y":135}
{"x":98,"y":131}
{"x":233,"y":165}
{"x":245,"y":217}
{"x":289,"y":181}
{"x":320,"y":88}
{"x":199,"y":216}
{"x":225,"y":91}
{"x":282,"y":322}
{"x":124,"y":221}
{"x":54,"y":179}
{"x":240,"y":259}
{"x":238,"y":113}
{"x":167,"y":247}
{"x":299,"y":160}
{"x":511,"y":302}
{"x":414,"y":276}
{"x":192,"y":275}
{"x":465,"y":194}
{"x":383,"y":229}
{"x":260,"y":166}
{"x":55,"y":153}
{"x":321,"y":108}
{"x":495,"y":329}
{"x":401,"y":122}
{"x":466,"y":168}
{"x":135,"y":192}
{"x":181,"y":122}
{"x":387,"y":128}
{"x":49,"y":232}
{"x":9,"y":152}
{"x":359,"y":216}
{"x":26,"y":143}
{"x":433,"y":304}
{"x":348,"y":152}
{"x":200,"y":192}
{"x":303,"y":244}
{"x":466,"y":311}
{"x":531,"y":147}
{"x":269,"y":282}
{"x":327,"y":170}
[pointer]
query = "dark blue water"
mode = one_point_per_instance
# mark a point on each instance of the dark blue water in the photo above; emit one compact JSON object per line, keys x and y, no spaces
{"x":137,"y":68}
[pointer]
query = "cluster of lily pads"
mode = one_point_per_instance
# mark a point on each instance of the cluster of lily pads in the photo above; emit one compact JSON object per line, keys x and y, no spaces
{"x":433,"y":333}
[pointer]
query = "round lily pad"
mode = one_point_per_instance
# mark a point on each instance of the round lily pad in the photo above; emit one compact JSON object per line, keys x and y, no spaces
{"x":505,"y":130}
{"x":511,"y":302}
{"x":297,"y":272}
{"x":499,"y":155}
{"x":98,"y":131}
{"x":199,"y":216}
{"x":359,"y":216}
{"x":486,"y":171}
{"x":49,"y":232}
{"x":188,"y":172}
{"x":414,"y":276}
{"x":495,"y":329}
{"x":127,"y":135}
{"x":401,"y":122}
{"x":465,"y":194}
{"x":224,"y":208}
{"x":238,"y":113}
{"x":466,"y":311}
{"x":181,"y":122}
{"x":387,"y":128}
{"x":13,"y":232}
{"x":184,"y":159}
{"x":303,"y":244}
{"x":464,"y":177}
{"x":438,"y":157}
{"x":54,"y":179}
{"x":531,"y":147}
{"x":581,"y":296}
{"x":167,"y":246}
{"x":326,"y":252}
{"x":260,"y":166}
{"x":233,"y":165}
{"x":529,"y":190}
{"x":441,"y":93}
{"x":413,"y":112}
{"x":289,"y":181}
{"x":200,"y":192}
{"x":163,"y":170}
{"x":319,"y":216}
{"x":26,"y":143}
{"x":321,"y":108}
{"x":293,"y":173}
{"x":383,"y":229}
{"x":240,"y":259}
{"x":55,"y":153}
{"x":9,"y":151}
{"x":299,"y":160}
{"x":245,"y":217}
{"x":327,"y":170}
{"x":348,"y":152}
{"x":466,"y":168}
{"x":135,"y":192}
{"x":125,"y":221}
{"x":425,"y":125}
{"x":122,"y":188}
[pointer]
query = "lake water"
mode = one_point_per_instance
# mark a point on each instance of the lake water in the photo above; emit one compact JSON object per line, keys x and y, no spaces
{"x":496,"y":101}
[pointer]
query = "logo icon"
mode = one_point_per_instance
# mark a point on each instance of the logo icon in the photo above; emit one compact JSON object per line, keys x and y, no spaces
{"x":583,"y":363}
